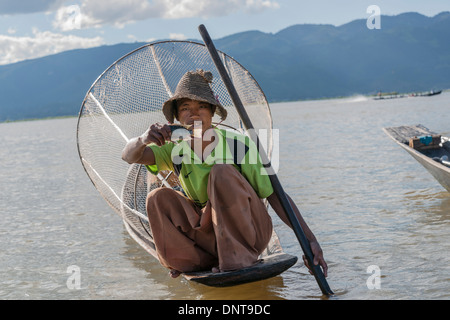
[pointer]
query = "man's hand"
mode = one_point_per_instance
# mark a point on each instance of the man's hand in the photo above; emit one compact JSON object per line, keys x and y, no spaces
{"x":318,"y":258}
{"x":136,"y":150}
{"x":157,"y":133}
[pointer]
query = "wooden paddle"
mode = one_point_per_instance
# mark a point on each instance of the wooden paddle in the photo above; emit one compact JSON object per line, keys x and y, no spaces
{"x":278,"y":189}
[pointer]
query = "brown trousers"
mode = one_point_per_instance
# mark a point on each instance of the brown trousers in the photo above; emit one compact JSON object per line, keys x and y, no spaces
{"x":230,"y":232}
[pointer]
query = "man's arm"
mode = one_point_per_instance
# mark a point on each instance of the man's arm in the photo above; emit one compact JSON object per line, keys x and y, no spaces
{"x":136,"y":150}
{"x":315,"y":247}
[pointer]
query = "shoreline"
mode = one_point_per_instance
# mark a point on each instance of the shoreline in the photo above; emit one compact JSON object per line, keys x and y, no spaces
{"x":38,"y":119}
{"x":369,"y":96}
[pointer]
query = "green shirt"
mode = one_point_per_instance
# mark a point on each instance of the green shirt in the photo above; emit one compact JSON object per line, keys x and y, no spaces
{"x":193,"y":173}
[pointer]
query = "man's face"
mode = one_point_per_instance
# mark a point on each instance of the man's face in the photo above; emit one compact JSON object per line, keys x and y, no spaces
{"x":190,"y":111}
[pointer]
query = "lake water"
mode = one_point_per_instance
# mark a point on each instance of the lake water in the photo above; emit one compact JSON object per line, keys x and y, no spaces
{"x":368,"y":202}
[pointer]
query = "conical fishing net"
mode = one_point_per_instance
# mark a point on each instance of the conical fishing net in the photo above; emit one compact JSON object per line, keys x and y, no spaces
{"x":128,"y":97}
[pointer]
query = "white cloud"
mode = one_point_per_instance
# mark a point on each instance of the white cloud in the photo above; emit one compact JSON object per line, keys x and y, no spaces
{"x":262,"y":4}
{"x":177,"y":36}
{"x":13,"y":49}
{"x":68,"y":18}
{"x":95,"y":13}
{"x":176,"y":9}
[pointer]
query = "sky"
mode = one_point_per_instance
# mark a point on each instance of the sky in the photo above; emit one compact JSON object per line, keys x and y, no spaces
{"x":35,"y":28}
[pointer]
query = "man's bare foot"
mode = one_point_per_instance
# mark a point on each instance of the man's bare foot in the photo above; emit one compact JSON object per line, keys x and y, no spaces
{"x":174,"y":273}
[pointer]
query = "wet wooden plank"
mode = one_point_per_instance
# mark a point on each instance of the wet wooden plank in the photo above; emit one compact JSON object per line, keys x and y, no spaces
{"x":404,"y":133}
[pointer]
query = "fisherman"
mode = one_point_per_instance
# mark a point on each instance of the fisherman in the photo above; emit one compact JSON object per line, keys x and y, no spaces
{"x":219,"y":221}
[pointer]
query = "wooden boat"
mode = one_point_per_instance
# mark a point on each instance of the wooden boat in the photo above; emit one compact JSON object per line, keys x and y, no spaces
{"x":383,"y":96}
{"x":427,"y":94}
{"x":122,"y":103}
{"x":272,"y":262}
{"x":430,"y":149}
{"x":389,"y":96}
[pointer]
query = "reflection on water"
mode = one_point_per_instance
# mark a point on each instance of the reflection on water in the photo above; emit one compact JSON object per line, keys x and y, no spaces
{"x":368,"y":202}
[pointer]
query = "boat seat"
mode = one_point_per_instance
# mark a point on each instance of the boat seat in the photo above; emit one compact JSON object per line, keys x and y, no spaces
{"x":425,"y":142}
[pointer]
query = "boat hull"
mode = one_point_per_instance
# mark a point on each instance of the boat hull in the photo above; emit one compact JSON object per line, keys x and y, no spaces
{"x":439,"y":171}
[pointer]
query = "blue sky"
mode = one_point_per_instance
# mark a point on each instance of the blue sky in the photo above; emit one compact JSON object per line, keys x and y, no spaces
{"x":35,"y":28}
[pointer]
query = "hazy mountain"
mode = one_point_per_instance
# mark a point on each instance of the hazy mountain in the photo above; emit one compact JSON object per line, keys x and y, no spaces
{"x":410,"y":52}
{"x":54,"y":85}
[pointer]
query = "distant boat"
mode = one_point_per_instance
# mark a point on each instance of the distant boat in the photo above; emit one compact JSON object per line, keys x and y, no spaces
{"x":390,"y":96}
{"x":382,"y":96}
{"x":431,"y":150}
{"x":426,"y":94}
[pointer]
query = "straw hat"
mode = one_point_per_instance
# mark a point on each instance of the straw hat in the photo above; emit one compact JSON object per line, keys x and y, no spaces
{"x":194,"y":85}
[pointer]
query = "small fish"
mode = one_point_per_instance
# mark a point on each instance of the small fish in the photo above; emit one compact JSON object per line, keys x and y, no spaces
{"x":180,"y":133}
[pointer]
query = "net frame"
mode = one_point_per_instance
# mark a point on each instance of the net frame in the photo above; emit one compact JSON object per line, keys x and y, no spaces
{"x":128,"y":97}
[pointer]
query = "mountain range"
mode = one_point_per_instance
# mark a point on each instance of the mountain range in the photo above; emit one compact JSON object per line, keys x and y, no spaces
{"x":411,"y":52}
